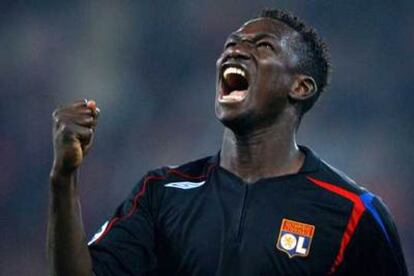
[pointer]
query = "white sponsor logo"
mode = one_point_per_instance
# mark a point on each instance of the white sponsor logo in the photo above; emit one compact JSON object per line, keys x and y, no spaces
{"x":99,"y":233}
{"x":185,"y":185}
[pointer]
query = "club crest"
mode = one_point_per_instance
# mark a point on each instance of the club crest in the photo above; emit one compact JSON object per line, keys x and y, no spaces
{"x":295,"y":238}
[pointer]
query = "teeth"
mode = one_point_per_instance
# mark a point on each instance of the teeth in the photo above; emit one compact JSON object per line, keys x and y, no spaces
{"x":233,"y":97}
{"x":233,"y":70}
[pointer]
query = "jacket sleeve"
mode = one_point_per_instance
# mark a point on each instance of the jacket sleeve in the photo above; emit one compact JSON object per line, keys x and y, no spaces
{"x":375,"y":248}
{"x":125,"y":244}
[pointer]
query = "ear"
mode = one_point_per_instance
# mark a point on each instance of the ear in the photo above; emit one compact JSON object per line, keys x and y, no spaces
{"x":303,"y":88}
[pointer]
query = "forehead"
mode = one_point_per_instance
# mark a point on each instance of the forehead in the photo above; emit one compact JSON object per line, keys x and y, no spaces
{"x":269,"y":26}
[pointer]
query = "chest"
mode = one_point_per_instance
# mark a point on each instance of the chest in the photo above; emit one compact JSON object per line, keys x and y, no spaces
{"x":225,"y":227}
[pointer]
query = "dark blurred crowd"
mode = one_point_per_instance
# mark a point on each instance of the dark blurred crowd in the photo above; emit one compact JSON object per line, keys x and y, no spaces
{"x":150,"y":66}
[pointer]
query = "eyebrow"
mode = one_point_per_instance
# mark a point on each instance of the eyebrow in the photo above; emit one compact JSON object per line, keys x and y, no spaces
{"x":253,"y":38}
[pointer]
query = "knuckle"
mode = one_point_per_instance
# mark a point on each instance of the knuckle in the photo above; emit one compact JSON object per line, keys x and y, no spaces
{"x":55,"y":114}
{"x":92,"y":121}
{"x":88,"y":120}
{"x":87,"y":133}
{"x":56,"y":123}
{"x":65,"y":130}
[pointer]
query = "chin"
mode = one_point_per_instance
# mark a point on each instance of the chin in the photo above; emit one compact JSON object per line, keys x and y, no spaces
{"x":240,"y":122}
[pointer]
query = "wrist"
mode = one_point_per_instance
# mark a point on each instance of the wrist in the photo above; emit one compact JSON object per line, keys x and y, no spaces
{"x":60,"y":170}
{"x":63,"y":180}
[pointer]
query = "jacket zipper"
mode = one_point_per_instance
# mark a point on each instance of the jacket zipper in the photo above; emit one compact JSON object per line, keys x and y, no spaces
{"x":242,"y":214}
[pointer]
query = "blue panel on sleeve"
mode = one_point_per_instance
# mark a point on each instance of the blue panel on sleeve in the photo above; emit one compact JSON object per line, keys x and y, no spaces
{"x":367,"y":200}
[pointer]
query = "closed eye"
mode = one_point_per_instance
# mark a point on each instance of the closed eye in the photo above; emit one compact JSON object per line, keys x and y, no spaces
{"x":229,"y":44}
{"x":266,"y":45}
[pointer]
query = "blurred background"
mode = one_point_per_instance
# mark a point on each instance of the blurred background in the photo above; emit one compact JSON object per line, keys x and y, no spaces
{"x":150,"y":65}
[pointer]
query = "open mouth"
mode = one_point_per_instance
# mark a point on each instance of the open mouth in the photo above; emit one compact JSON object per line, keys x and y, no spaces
{"x":234,"y":84}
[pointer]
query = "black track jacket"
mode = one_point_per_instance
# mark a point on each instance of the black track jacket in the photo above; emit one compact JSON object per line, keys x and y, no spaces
{"x":200,"y":219}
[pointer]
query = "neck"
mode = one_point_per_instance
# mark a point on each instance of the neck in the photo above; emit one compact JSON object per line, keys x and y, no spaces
{"x":266,"y":152}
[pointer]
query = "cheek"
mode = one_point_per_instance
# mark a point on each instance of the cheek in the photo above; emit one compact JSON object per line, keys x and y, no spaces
{"x":269,"y":77}
{"x":273,"y":85}
{"x":218,"y":64}
{"x":280,"y":82}
{"x":274,"y":74}
{"x":275,"y":64}
{"x":219,"y":61}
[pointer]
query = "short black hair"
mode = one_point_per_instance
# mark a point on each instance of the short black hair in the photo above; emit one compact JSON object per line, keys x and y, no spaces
{"x":311,"y":49}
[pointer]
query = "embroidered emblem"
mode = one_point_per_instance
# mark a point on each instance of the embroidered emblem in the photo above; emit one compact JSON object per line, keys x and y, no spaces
{"x":185,"y":185}
{"x":295,"y":238}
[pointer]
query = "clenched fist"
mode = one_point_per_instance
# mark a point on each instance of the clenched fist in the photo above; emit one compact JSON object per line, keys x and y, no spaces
{"x":73,"y":132}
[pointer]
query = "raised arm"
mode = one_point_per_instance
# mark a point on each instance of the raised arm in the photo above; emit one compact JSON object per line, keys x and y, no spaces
{"x":73,"y":132}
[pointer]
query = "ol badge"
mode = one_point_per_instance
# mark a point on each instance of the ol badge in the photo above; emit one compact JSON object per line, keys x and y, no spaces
{"x":295,"y":238}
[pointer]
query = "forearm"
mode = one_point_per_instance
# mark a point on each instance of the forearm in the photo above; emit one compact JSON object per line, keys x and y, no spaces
{"x":68,"y":253}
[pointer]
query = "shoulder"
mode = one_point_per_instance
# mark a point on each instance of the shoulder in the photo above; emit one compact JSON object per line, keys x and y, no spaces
{"x":195,"y":170}
{"x":149,"y":189}
{"x":370,"y":226}
{"x":336,"y":181}
{"x":330,"y":174}
{"x":365,"y":204}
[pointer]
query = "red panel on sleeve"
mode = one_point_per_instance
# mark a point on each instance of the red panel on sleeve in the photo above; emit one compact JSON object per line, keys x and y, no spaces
{"x":357,"y":211}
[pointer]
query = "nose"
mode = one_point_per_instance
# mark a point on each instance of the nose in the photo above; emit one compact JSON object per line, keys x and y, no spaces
{"x":239,"y":50}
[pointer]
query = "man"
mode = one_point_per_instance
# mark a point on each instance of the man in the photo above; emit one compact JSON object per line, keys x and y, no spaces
{"x":262,"y":206}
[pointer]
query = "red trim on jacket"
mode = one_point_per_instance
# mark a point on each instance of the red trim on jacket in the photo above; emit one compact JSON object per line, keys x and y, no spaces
{"x":357,"y":211}
{"x":141,"y":193}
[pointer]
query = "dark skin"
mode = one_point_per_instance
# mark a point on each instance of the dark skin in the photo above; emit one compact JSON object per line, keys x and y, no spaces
{"x":73,"y":131}
{"x":258,"y":141}
{"x":260,"y":136}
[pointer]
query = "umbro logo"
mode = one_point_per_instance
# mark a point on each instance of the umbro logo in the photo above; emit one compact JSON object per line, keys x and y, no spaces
{"x":185,"y":185}
{"x":99,"y":233}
